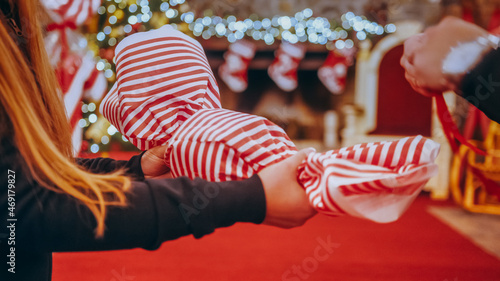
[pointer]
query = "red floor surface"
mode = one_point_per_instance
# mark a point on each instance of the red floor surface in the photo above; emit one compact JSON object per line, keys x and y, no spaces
{"x":417,"y":247}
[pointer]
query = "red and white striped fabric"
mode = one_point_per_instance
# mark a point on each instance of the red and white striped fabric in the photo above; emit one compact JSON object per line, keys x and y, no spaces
{"x":165,"y":94}
{"x":163,"y":78}
{"x":375,"y":181}
{"x":74,"y":64}
{"x":221,"y":145}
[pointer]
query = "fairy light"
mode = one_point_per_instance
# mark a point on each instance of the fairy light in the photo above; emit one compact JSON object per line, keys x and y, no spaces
{"x":82,"y":123}
{"x":104,"y":139}
{"x":112,"y":130}
{"x":94,"y":148}
{"x":91,"y":107}
{"x":302,"y":27}
{"x":92,"y":118}
{"x":100,"y":36}
{"x":390,"y":28}
{"x":123,"y":17}
{"x":85,"y":108}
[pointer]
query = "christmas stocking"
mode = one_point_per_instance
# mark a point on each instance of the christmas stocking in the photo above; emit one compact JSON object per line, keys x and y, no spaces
{"x":333,"y":72}
{"x":283,"y":70}
{"x":234,"y":71}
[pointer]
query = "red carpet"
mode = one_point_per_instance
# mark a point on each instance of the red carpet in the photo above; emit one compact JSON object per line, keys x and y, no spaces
{"x":417,"y":247}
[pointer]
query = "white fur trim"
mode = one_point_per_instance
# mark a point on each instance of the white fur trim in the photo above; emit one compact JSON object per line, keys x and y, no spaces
{"x":463,"y":57}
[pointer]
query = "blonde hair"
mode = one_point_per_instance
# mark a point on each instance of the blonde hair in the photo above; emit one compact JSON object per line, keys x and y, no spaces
{"x":31,"y":99}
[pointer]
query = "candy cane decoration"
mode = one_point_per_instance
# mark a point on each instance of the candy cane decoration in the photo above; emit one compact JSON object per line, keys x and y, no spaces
{"x":75,"y":67}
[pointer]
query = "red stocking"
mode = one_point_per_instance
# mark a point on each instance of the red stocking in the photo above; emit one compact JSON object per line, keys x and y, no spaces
{"x":234,"y":71}
{"x":333,"y":72}
{"x":283,"y":70}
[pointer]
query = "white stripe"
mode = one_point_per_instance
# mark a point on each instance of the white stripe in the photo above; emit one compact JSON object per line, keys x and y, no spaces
{"x":229,"y":161}
{"x":208,"y":168}
{"x":218,"y":159}
{"x":397,"y":152}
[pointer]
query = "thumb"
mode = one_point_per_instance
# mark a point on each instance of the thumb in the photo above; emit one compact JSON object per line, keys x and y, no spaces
{"x":158,"y":151}
{"x":299,"y":157}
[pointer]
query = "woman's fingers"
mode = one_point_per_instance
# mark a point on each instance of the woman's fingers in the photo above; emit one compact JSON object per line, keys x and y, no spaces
{"x":299,"y":157}
{"x":152,"y":162}
{"x":286,"y":201}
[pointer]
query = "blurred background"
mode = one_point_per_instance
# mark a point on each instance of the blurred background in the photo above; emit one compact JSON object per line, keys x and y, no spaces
{"x":322,"y":28}
{"x":328,"y":73}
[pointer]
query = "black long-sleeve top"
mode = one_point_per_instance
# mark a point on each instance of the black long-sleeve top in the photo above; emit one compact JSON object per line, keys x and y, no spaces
{"x":481,"y":86}
{"x":157,"y":211}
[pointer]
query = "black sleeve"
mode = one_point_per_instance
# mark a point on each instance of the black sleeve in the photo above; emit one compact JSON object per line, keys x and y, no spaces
{"x":132,"y":167}
{"x":157,"y":211}
{"x":481,"y":86}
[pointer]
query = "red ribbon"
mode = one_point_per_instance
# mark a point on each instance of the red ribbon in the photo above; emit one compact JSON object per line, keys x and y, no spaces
{"x":450,"y":128}
{"x":453,"y":134}
{"x":61,"y":27}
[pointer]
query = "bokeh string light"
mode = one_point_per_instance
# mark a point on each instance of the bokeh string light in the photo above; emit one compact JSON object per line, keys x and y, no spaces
{"x":300,"y":28}
{"x":118,"y":18}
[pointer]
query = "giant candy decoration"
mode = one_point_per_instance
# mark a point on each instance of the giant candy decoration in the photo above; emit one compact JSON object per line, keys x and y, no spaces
{"x":73,"y":63}
{"x":166,"y":94}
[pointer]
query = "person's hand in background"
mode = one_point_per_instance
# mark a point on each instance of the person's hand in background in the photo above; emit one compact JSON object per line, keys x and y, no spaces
{"x":436,"y":60}
{"x":287,"y":204}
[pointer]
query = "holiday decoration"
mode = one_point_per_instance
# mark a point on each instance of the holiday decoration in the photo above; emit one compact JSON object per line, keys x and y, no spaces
{"x":268,"y":9}
{"x":165,"y":95}
{"x":234,"y":71}
{"x":333,"y":72}
{"x":74,"y":65}
{"x":302,"y":27}
{"x":283,"y":70}
{"x":291,"y":21}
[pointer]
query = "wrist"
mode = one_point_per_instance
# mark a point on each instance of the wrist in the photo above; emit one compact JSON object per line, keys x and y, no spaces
{"x":465,"y":56}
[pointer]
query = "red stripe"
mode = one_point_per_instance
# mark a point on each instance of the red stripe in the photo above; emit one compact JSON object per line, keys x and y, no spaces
{"x":75,"y":117}
{"x":364,"y":153}
{"x":404,"y":152}
{"x":213,"y":161}
{"x":63,"y":9}
{"x":390,"y":154}
{"x":139,"y":115}
{"x":91,"y":80}
{"x":187,"y":163}
{"x":418,"y":151}
{"x":345,"y":167}
{"x":143,"y":80}
{"x":376,"y":155}
{"x":128,"y":52}
{"x":381,"y":186}
{"x":174,"y":63}
{"x":352,"y":189}
{"x":330,"y":200}
{"x":174,"y":155}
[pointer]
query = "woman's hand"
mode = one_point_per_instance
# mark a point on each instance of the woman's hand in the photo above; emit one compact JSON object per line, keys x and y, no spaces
{"x":153,"y":165}
{"x":425,"y":53}
{"x":286,"y":201}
